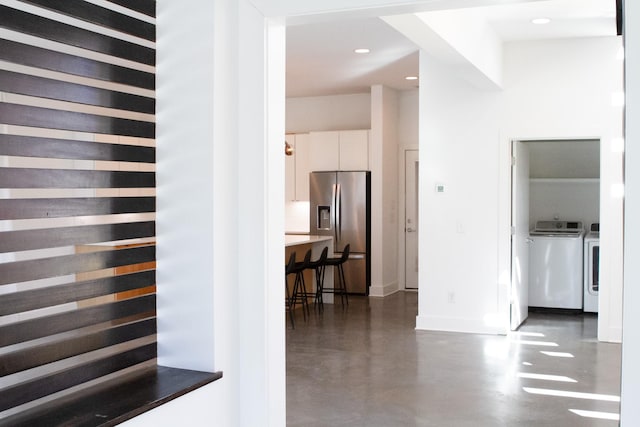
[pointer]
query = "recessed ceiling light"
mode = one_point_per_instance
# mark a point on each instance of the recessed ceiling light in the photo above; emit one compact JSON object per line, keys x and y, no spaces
{"x":362,"y":50}
{"x":411,"y":78}
{"x":540,"y":21}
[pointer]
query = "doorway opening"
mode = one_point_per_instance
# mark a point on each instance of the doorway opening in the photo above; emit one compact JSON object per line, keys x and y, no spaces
{"x":553,"y":181}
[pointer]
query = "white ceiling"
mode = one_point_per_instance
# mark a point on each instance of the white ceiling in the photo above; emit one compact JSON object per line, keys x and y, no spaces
{"x":321,"y":61}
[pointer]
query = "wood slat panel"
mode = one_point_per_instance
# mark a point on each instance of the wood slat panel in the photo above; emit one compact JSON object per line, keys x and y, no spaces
{"x":70,"y":207}
{"x":22,"y":271}
{"x":118,"y":401}
{"x":98,"y":15}
{"x":24,"y":115}
{"x":146,"y":7}
{"x":68,"y":321}
{"x":37,"y":388}
{"x":64,"y":178}
{"x":51,"y":352}
{"x":61,"y":294}
{"x":22,"y":84}
{"x":32,"y":56}
{"x":31,"y":146}
{"x":26,"y":240}
{"x":48,"y":29}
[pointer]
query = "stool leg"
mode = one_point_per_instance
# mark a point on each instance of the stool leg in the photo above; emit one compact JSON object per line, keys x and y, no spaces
{"x":343,"y":286}
{"x":288,"y":302}
{"x":319,"y":287}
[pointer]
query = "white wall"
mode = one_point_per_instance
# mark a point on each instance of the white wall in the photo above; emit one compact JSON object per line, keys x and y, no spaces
{"x":569,"y":200}
{"x":213,"y":140}
{"x":459,"y":146}
{"x":323,"y":113}
{"x":563,"y":89}
{"x":630,"y":410}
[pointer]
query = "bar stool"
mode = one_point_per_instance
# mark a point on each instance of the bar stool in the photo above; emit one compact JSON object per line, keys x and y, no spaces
{"x":339,"y":288}
{"x":289,"y":268}
{"x":299,"y":287}
{"x":318,"y":266}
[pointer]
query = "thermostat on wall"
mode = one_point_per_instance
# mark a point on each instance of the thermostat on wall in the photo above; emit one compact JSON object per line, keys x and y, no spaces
{"x":439,"y":188}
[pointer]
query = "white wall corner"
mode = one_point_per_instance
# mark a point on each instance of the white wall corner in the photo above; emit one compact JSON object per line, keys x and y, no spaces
{"x":474,"y":54}
{"x":457,"y":324}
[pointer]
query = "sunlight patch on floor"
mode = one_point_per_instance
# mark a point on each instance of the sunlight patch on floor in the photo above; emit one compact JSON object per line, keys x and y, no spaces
{"x":596,"y":414}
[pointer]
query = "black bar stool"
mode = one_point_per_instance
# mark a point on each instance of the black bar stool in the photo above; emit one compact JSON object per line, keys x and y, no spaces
{"x":339,"y":288}
{"x":318,"y":266}
{"x":289,"y":268}
{"x":299,"y":287}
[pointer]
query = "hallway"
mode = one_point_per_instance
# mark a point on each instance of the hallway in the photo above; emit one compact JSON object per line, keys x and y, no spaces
{"x":367,"y":366}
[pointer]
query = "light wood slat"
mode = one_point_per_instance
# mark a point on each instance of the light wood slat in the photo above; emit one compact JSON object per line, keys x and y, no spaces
{"x":65,"y":178}
{"x":12,"y":209}
{"x":31,"y":146}
{"x":24,"y":115}
{"x":40,"y":387}
{"x":32,"y":357}
{"x":41,"y":87}
{"x":68,"y":321}
{"x":146,"y":7}
{"x":25,"y":240}
{"x":101,"y":16}
{"x":22,"y":271}
{"x":24,"y":22}
{"x":24,"y":54}
{"x":77,"y":291}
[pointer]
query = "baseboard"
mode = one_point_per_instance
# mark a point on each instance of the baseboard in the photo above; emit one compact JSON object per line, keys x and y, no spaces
{"x":454,"y":324}
{"x":383,"y":290}
{"x":612,"y":335}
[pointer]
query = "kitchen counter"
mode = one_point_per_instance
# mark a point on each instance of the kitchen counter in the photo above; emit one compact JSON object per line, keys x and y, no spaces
{"x":302,"y":239}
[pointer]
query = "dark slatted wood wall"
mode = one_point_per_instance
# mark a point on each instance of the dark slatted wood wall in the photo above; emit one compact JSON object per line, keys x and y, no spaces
{"x":77,"y":195}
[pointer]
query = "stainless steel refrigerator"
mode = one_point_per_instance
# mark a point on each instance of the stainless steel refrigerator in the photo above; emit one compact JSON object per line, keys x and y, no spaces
{"x":340,"y":206}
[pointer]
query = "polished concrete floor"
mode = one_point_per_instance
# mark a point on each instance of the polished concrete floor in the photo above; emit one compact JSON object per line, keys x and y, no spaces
{"x":367,"y":366}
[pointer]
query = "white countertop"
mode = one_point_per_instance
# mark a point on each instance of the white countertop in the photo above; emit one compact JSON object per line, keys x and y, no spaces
{"x":301,"y":239}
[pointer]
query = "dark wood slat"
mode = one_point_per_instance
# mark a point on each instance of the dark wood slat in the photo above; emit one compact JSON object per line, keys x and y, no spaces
{"x":98,"y":15}
{"x":23,"y":84}
{"x":68,"y":321}
{"x":47,"y":353}
{"x":65,"y":178}
{"x":69,"y":207}
{"x":60,"y":294}
{"x":24,"y":115}
{"x":40,"y":387}
{"x":32,"y":56}
{"x":23,"y":22}
{"x":22,"y":271}
{"x":26,"y":240}
{"x":146,"y":7}
{"x":31,"y":146}
{"x":116,"y":401}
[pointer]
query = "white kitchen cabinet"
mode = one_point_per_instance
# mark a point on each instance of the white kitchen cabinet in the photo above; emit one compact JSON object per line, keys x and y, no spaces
{"x":354,"y":150}
{"x":339,"y":150}
{"x":290,"y":170}
{"x":303,"y":167}
{"x":324,"y":151}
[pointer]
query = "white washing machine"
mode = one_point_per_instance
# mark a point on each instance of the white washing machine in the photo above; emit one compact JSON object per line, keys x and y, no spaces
{"x":592,"y":268}
{"x":556,"y":265}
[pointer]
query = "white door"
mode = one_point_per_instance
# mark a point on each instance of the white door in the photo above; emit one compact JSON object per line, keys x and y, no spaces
{"x":519,"y":233}
{"x":411,"y":219}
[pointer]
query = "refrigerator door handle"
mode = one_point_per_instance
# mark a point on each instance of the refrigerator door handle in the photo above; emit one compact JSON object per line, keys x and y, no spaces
{"x":338,"y":214}
{"x":334,"y":190}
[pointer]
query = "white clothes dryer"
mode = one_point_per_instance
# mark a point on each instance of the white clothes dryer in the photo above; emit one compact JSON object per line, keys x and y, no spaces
{"x":592,"y":269}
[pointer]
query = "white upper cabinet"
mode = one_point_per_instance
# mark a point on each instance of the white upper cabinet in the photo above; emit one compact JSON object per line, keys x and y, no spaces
{"x":324,"y":151}
{"x":290,"y":170}
{"x":302,"y":156}
{"x":339,"y":150}
{"x":354,"y":150}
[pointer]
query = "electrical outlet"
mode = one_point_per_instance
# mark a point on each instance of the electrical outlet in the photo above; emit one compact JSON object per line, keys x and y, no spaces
{"x":451,"y":297}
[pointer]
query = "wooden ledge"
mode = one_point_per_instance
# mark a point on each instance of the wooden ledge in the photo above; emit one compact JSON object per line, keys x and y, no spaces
{"x":115,"y":402}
